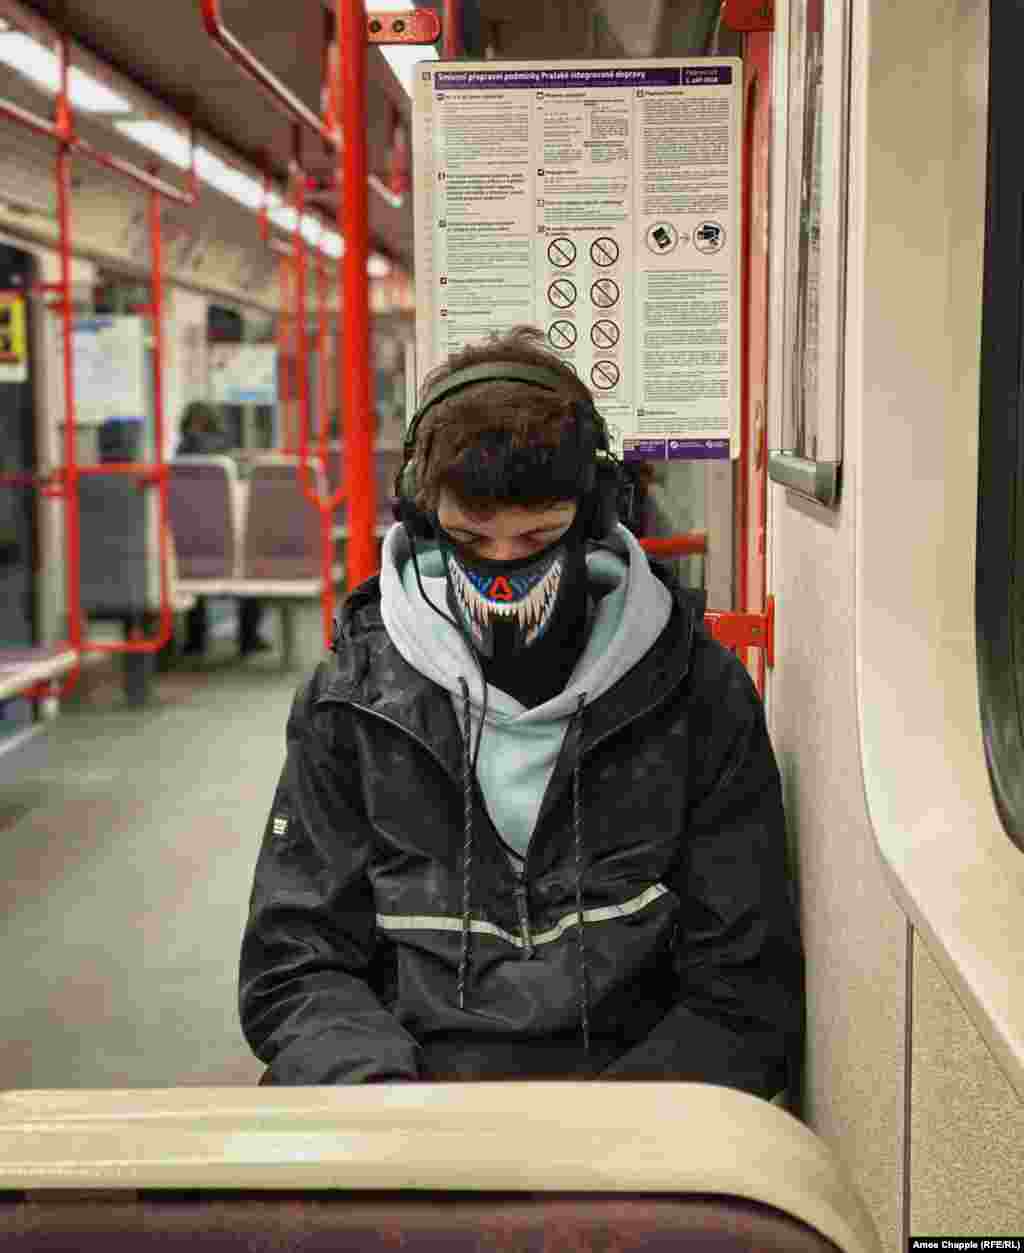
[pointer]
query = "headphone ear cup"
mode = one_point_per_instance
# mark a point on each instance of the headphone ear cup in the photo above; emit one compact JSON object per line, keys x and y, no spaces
{"x":604,"y":501}
{"x":405,"y":509}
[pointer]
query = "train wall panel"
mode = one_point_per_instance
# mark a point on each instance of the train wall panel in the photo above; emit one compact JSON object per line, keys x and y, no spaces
{"x":967,"y":1125}
{"x":854,"y":933}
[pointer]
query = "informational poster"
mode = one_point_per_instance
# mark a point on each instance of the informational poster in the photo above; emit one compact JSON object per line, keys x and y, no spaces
{"x":600,"y":202}
{"x":13,"y":338}
{"x":109,"y":359}
{"x":243,"y":374}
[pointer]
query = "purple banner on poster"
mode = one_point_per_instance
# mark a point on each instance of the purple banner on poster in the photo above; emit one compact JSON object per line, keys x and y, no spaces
{"x":477,"y":80}
{"x":698,"y":449}
{"x":643,"y":450}
{"x":707,"y":75}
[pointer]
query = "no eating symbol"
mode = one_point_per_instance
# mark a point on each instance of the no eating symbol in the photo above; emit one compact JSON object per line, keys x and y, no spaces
{"x":562,"y":293}
{"x":604,"y":334}
{"x":605,"y":293}
{"x":605,"y":374}
{"x":562,"y":334}
{"x":604,"y":251}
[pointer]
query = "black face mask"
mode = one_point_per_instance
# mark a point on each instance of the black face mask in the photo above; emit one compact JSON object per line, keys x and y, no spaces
{"x":526,"y":618}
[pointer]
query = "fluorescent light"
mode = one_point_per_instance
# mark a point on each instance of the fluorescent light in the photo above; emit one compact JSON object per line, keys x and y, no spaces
{"x":377,"y":266}
{"x":283,"y":216}
{"x":333,"y":244}
{"x":42,"y":67}
{"x":233,"y":183}
{"x":403,"y":58}
{"x":164,"y":140}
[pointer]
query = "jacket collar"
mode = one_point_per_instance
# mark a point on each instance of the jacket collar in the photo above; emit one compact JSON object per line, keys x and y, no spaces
{"x":367,"y":670}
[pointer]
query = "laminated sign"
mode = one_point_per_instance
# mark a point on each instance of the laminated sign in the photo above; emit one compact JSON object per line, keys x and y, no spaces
{"x":600,"y":202}
{"x":13,"y":340}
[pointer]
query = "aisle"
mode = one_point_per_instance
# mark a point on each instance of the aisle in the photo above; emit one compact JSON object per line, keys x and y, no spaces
{"x":128,"y":840}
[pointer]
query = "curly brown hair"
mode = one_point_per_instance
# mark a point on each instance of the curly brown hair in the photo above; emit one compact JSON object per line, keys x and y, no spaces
{"x":499,"y":443}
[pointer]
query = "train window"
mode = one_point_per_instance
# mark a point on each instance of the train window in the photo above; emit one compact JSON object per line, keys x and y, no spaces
{"x":810,"y":452}
{"x":999,"y":581}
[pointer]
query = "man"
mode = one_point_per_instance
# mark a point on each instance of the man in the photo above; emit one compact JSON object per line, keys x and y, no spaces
{"x":202,"y":434}
{"x":530,"y":823}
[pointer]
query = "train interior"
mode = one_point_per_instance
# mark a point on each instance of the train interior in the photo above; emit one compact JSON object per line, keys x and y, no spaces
{"x":144,"y":692}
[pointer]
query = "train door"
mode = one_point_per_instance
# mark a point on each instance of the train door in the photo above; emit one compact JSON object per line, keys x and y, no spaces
{"x":18,"y":540}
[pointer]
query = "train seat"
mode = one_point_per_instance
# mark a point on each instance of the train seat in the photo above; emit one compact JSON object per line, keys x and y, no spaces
{"x":459,"y":1167}
{"x":204,"y":501}
{"x":21,"y":668}
{"x":387,"y":460}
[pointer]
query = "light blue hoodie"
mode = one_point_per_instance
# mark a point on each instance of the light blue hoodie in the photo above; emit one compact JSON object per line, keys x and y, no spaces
{"x":519,"y":748}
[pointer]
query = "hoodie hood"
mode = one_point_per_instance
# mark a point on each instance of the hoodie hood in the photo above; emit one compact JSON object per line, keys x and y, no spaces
{"x":630,"y":607}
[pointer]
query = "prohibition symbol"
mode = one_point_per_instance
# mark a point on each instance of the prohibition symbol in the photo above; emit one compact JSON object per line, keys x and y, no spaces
{"x":561,"y":252}
{"x":604,"y":251}
{"x":562,"y":293}
{"x":605,"y":293}
{"x":605,"y":374}
{"x":604,"y":334}
{"x":562,"y":334}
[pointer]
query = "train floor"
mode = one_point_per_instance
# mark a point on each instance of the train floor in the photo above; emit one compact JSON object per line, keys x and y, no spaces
{"x":128,"y":839}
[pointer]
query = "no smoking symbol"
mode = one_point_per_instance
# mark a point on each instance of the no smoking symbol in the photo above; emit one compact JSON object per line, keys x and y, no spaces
{"x":604,"y":375}
{"x":561,"y":252}
{"x":562,"y":293}
{"x":562,"y":334}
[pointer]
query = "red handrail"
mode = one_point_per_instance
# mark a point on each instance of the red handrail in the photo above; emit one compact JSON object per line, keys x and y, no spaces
{"x":63,"y":483}
{"x":689,"y":544}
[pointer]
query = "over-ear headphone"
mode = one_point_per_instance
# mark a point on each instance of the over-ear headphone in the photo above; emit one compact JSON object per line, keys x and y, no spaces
{"x":603,"y":484}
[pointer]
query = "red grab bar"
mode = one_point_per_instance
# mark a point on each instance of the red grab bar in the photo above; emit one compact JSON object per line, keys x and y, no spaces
{"x":64,"y":484}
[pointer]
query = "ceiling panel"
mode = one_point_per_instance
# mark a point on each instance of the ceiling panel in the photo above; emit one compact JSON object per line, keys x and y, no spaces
{"x":164,"y":48}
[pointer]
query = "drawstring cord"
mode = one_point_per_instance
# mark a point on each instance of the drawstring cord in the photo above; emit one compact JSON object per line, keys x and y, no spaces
{"x":583,"y":988}
{"x":577,"y":819}
{"x":467,"y":848}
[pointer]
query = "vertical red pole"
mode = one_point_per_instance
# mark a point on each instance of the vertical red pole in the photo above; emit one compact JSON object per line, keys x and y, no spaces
{"x":741,"y":514}
{"x":451,"y":46}
{"x":354,"y":359}
{"x":301,"y":339}
{"x":325,"y":420}
{"x":157,"y":259}
{"x":284,"y":349}
{"x":72,"y":530}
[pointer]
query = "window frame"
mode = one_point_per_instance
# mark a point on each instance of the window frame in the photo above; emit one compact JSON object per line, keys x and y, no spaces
{"x":810,"y":472}
{"x":999,"y":569}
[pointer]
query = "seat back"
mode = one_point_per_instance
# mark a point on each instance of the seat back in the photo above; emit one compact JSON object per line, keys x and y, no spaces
{"x":282,"y":528}
{"x":115,"y":545}
{"x":202,"y":509}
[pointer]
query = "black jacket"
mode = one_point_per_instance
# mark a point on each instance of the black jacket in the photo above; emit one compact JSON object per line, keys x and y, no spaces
{"x":652,"y":935}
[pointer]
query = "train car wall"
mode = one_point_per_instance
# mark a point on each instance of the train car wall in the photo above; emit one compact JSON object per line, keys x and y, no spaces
{"x":900,"y":1079}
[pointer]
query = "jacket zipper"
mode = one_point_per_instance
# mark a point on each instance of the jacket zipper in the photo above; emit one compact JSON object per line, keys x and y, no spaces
{"x":523,"y":908}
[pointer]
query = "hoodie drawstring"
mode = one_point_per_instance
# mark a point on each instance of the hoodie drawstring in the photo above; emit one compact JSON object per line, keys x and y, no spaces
{"x":467,"y":844}
{"x":577,"y":822}
{"x":583,"y":990}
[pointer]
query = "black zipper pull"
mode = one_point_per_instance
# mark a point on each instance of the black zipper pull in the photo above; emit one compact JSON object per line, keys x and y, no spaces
{"x":524,"y":921}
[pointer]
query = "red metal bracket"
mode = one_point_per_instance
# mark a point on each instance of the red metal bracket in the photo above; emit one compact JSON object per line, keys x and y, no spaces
{"x":748,"y":16}
{"x":415,"y":26}
{"x":745,"y":630}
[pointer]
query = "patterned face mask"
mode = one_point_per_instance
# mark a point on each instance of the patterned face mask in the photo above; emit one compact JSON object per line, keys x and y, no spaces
{"x":532,"y":610}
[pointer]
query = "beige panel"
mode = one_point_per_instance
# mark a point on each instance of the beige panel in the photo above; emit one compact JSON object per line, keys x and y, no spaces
{"x":967,"y":1122}
{"x":679,"y":1138}
{"x":854,"y":932}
